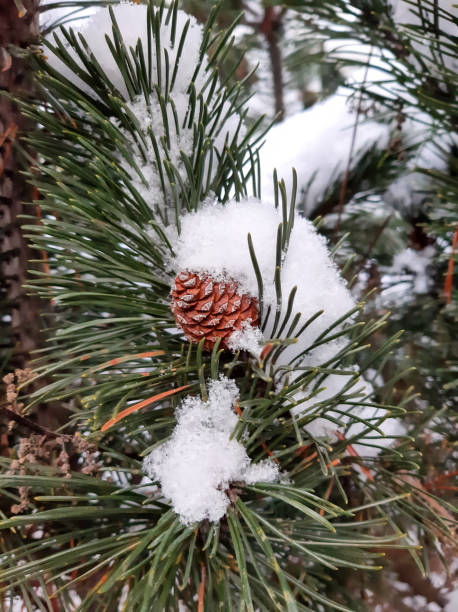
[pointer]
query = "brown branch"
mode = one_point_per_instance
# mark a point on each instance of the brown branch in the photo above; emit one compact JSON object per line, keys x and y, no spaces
{"x":270,"y":27}
{"x":343,"y":187}
{"x":32,"y":425}
{"x":200,"y":607}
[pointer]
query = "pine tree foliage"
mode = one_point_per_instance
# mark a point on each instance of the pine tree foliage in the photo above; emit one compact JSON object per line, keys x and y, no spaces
{"x":413,"y":62}
{"x":92,"y":533}
{"x":377,"y":231}
{"x":407,"y":80}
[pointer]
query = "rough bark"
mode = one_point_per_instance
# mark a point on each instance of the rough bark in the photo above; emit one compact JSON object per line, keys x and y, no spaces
{"x":19,"y":29}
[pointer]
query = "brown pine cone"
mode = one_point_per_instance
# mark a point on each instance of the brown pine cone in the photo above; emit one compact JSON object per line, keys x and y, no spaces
{"x":205,"y":308}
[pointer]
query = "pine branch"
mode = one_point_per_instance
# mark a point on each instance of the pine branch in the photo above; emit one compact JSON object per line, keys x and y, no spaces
{"x":115,"y":189}
{"x":31,"y":425}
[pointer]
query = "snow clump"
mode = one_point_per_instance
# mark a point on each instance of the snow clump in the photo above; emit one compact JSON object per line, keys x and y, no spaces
{"x":132,"y":23}
{"x":165,"y":120}
{"x":247,"y":338}
{"x":221,"y":251}
{"x":317,"y":143}
{"x":197,"y":465}
{"x":214,"y":241}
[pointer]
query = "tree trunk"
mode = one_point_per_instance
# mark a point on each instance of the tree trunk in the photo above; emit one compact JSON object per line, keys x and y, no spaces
{"x":19,"y":29}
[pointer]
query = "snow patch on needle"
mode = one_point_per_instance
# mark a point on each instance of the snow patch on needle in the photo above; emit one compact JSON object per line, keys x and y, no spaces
{"x":247,"y":338}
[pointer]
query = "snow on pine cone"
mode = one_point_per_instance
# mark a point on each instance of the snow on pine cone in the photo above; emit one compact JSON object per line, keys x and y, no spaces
{"x":206,"y":308}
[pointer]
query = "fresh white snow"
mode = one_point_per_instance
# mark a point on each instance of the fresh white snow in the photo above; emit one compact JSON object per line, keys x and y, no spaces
{"x":247,"y":338}
{"x":317,"y":142}
{"x":213,"y":241}
{"x":408,"y":192}
{"x":132,"y":23}
{"x":408,"y":270}
{"x":225,"y":123}
{"x":196,"y":466}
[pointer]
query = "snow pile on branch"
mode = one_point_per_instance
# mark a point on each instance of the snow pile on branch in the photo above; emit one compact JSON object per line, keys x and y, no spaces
{"x":317,"y":142}
{"x":409,"y":15}
{"x":352,"y":418}
{"x":213,"y":241}
{"x":408,"y":192}
{"x":407,"y":276}
{"x":163,"y":118}
{"x":131,"y":20}
{"x":198,"y":464}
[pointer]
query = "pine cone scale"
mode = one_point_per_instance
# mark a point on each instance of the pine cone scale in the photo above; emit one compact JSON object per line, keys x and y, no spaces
{"x":205,"y":308}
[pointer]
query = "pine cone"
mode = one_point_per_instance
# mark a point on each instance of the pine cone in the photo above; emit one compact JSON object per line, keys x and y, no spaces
{"x":205,"y":308}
